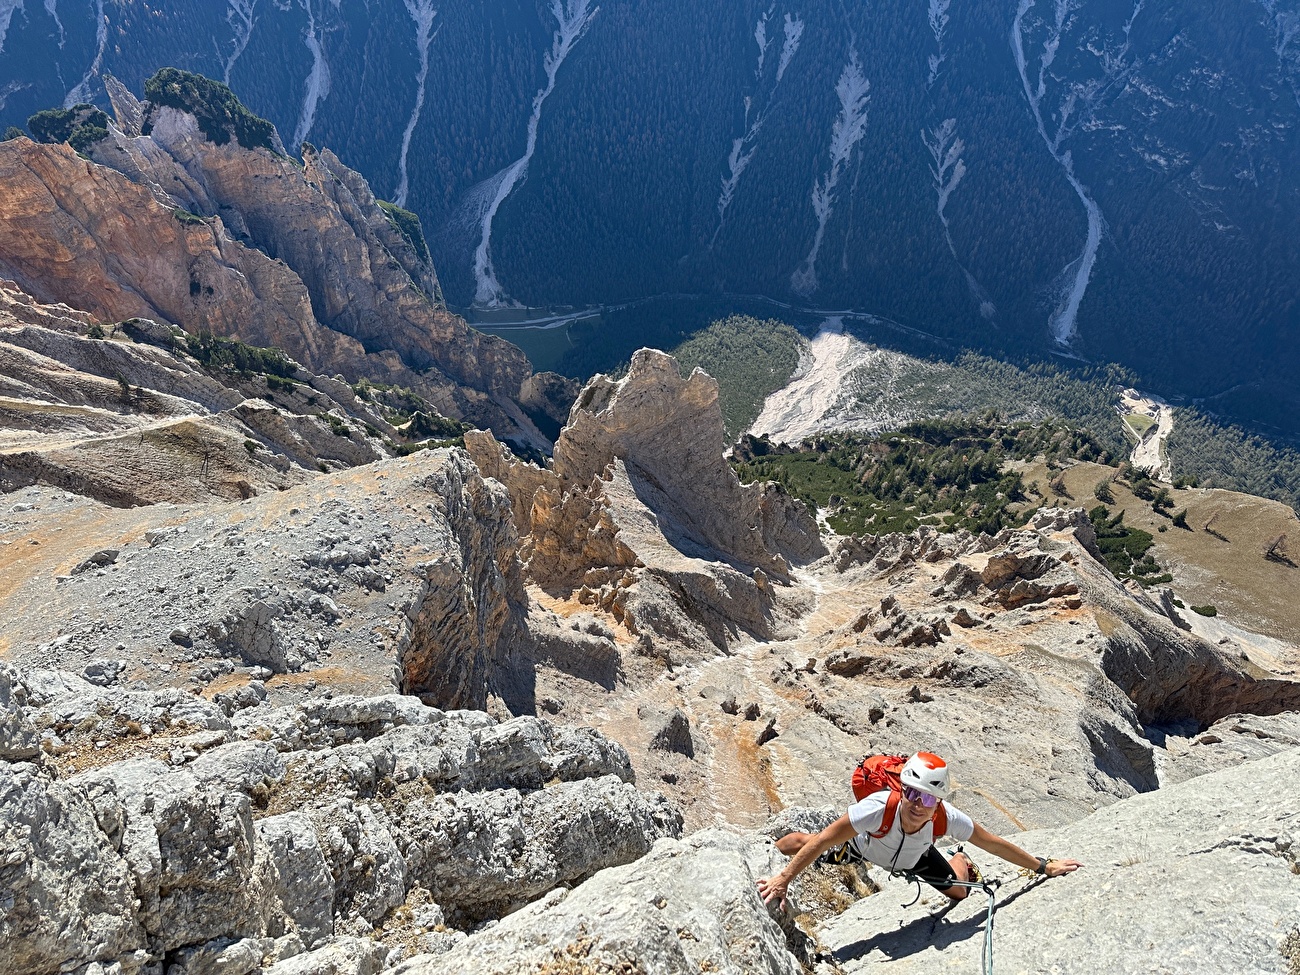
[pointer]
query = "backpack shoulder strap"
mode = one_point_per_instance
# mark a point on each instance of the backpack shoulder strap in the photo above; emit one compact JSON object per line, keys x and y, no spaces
{"x":940,"y":822}
{"x":887,"y":820}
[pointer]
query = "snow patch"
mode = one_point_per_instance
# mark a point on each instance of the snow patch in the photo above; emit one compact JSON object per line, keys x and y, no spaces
{"x":81,"y":93}
{"x":240,"y":18}
{"x":573,"y":16}
{"x":318,"y":79}
{"x":854,"y":91}
{"x":423,"y":13}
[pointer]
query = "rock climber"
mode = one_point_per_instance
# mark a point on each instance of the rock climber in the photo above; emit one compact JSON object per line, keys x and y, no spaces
{"x":896,"y":828}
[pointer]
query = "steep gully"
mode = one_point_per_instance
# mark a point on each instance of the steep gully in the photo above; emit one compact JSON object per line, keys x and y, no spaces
{"x":423,"y":13}
{"x":743,"y":148}
{"x":854,"y":92}
{"x":7,"y":8}
{"x":945,"y":148}
{"x":240,"y":19}
{"x":572,"y":16}
{"x":318,"y":79}
{"x":1078,"y":106}
{"x":938,"y":15}
{"x":792,"y":413}
{"x":81,"y":93}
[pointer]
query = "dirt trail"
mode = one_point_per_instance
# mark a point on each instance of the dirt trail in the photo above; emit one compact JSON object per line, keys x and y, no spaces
{"x":22,"y":441}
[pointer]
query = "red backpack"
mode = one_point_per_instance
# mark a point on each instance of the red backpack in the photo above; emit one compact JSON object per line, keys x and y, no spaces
{"x":879,"y":773}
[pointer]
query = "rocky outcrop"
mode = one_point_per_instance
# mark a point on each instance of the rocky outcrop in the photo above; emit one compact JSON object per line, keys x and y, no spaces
{"x":232,"y":785}
{"x":247,"y":244}
{"x":909,"y":647}
{"x":690,"y":905}
{"x":86,"y":235}
{"x":125,"y":414}
{"x":1224,"y":852}
{"x":400,"y":575}
{"x":668,"y":433}
{"x":344,"y":833}
{"x":468,"y":612}
{"x":548,"y":397}
{"x":187,"y":861}
{"x":641,"y":516}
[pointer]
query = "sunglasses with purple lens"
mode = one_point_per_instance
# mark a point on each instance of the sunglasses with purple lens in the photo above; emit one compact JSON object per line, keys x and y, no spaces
{"x":924,"y":798}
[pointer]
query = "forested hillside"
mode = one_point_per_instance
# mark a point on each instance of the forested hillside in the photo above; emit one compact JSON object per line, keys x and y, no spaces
{"x":1119,"y":177}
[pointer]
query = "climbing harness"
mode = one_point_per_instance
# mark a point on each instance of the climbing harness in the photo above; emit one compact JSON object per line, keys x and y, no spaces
{"x":844,"y":854}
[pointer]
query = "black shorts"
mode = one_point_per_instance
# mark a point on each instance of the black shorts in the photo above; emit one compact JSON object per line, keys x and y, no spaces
{"x":934,"y":869}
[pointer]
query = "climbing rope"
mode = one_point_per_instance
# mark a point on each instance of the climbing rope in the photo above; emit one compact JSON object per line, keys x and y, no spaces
{"x":989,"y":888}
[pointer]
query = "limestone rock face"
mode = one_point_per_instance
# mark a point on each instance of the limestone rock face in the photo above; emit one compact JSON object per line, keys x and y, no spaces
{"x":548,"y":397}
{"x":470,"y":606}
{"x":125,"y":414}
{"x":67,"y":886}
{"x":86,"y":235}
{"x":17,"y":737}
{"x":668,"y":432}
{"x":930,"y":650}
{"x":642,"y":516}
{"x":170,"y":226}
{"x":689,"y":905}
{"x":403,"y":573}
{"x":490,"y":853}
{"x":291,"y":827}
{"x":522,"y":480}
{"x":302,"y":880}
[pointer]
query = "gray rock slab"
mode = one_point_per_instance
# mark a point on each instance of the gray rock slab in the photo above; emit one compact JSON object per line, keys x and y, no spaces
{"x":17,"y":736}
{"x":485,"y":853}
{"x":346,"y":956}
{"x":688,"y":906}
{"x":1201,"y":877}
{"x":66,"y":894}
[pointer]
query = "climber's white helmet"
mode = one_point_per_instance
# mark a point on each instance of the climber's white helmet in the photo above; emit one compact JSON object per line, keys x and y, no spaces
{"x":927,"y":773}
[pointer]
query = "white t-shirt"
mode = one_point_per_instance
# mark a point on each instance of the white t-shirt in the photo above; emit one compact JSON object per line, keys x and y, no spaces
{"x":897,"y":850}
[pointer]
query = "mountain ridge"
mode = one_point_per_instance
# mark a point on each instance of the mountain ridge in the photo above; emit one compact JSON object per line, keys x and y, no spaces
{"x":243,"y":243}
{"x":1074,"y":176}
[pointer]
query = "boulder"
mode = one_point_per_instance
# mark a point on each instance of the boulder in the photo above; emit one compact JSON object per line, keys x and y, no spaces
{"x":344,"y":956}
{"x":369,"y":799}
{"x":18,"y":740}
{"x":490,"y":853}
{"x":70,"y":895}
{"x":670,"y":731}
